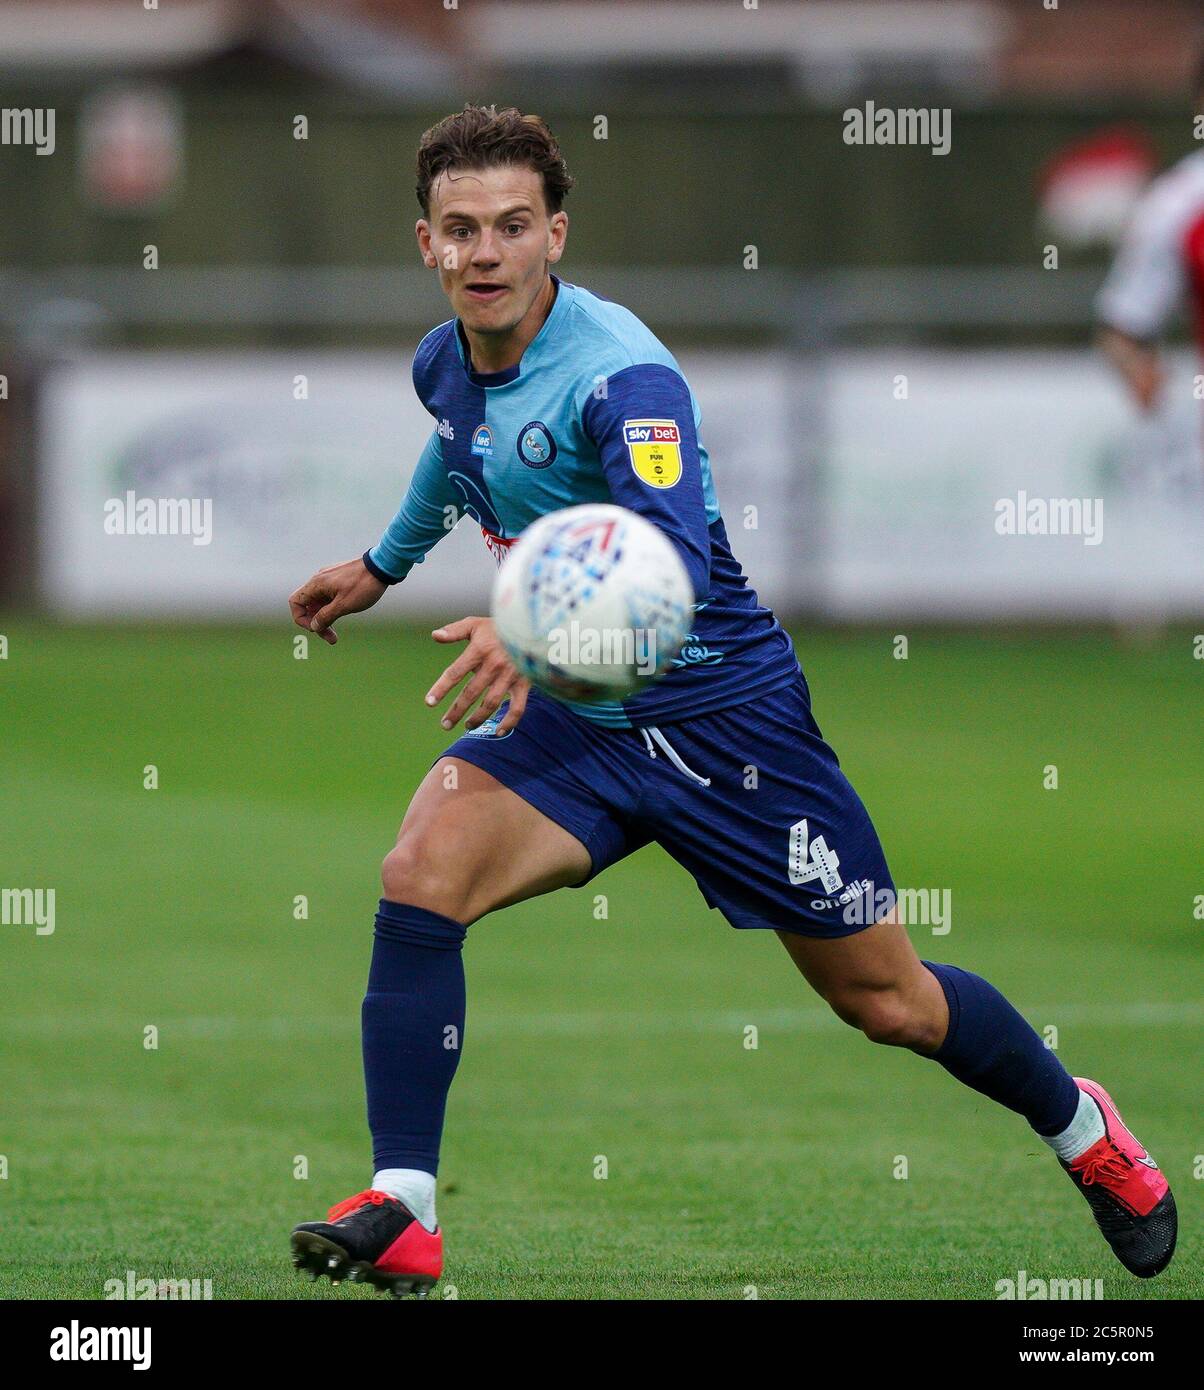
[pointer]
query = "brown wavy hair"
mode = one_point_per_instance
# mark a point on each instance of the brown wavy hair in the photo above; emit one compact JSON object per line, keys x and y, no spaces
{"x":482,"y":137}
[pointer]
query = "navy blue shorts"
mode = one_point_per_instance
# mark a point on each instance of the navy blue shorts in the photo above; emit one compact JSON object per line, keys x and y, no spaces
{"x":750,"y":800}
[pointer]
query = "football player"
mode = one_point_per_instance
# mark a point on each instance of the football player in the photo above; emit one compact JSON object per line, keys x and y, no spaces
{"x":544,"y":395}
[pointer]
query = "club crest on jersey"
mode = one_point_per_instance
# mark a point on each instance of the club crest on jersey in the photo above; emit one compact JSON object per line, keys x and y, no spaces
{"x":482,"y":442}
{"x":655,"y":450}
{"x":536,"y":447}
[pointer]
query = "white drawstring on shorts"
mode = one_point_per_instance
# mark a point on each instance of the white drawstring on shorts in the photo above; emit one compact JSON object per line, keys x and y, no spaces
{"x":651,"y":733}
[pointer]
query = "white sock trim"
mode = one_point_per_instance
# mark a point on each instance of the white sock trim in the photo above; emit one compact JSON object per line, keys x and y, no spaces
{"x":413,"y":1187}
{"x":1085,"y":1129}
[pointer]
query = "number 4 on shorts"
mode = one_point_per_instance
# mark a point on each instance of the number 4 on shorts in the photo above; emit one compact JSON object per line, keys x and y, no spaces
{"x":812,"y":859}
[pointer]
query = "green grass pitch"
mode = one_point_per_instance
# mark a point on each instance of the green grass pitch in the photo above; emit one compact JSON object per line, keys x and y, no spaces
{"x":729,"y":1169}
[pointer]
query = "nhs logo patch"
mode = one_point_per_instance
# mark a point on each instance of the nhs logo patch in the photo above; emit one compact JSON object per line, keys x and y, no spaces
{"x":482,"y":441}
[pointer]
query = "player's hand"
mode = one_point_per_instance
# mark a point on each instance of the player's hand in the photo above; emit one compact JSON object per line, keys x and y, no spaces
{"x":338,"y":589}
{"x":493,"y":677}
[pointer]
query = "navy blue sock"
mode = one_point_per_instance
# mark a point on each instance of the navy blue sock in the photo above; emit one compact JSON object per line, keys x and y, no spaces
{"x":991,"y":1048}
{"x":413,"y":1026}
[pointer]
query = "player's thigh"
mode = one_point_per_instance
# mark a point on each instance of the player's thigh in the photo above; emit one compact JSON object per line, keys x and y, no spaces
{"x":469,"y":845}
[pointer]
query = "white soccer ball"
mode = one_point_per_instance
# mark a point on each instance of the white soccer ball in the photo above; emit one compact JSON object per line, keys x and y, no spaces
{"x":592,"y":603}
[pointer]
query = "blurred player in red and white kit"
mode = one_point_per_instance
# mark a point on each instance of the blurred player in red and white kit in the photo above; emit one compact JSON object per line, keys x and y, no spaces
{"x":1160,"y":266}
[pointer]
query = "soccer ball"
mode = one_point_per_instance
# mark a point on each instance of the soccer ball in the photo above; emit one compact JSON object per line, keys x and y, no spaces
{"x":592,"y":603}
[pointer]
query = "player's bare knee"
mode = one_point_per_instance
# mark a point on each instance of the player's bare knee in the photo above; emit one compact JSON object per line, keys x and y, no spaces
{"x":414,"y":873}
{"x":883,"y":1015}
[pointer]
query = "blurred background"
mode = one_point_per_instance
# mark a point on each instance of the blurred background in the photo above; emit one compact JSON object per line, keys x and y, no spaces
{"x":209,"y":287}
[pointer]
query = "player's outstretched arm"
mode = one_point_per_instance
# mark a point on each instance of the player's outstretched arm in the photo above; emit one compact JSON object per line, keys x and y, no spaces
{"x":493,"y":676}
{"x":338,"y":589}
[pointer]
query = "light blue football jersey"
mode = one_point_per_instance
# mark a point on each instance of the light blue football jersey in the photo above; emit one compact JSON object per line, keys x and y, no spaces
{"x":597,"y":410}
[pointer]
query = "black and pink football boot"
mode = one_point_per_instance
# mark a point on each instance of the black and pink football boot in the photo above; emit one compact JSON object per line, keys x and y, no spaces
{"x":374,"y":1239}
{"x":1126,"y":1191}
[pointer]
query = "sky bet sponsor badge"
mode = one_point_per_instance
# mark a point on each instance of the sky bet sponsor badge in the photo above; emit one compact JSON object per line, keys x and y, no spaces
{"x":655,"y":449}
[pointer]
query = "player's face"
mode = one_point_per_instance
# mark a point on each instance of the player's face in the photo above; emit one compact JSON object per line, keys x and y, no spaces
{"x":492,"y":239}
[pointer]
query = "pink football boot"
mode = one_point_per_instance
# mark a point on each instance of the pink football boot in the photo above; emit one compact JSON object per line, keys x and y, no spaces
{"x":1128,"y":1196}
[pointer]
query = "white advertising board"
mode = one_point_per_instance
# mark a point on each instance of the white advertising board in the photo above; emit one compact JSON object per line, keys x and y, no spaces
{"x":271,"y":487}
{"x":929,"y":484}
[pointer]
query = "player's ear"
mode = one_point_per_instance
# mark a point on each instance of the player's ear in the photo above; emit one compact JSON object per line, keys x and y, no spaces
{"x":422,"y":230}
{"x":557,"y":232}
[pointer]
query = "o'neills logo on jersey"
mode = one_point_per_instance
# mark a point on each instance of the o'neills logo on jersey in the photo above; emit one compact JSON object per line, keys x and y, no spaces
{"x":444,"y":430}
{"x":498,"y":545}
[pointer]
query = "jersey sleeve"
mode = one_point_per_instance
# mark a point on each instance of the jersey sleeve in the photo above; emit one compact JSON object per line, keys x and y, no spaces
{"x":427,"y":513}
{"x":641,"y":420}
{"x":1147,"y":278}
